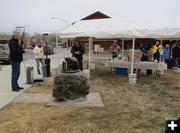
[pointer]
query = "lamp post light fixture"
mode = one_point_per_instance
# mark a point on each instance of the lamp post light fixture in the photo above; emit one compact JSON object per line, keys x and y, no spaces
{"x":65,"y":21}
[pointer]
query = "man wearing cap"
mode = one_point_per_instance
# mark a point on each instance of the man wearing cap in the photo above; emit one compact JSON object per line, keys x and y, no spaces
{"x":115,"y":49}
{"x":157,"y":51}
{"x":16,"y":56}
{"x":166,"y":53}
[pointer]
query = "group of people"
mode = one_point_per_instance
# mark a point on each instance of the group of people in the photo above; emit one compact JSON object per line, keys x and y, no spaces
{"x":169,"y":53}
{"x":16,"y":57}
{"x":153,"y":53}
{"x":77,"y":52}
{"x":149,"y":53}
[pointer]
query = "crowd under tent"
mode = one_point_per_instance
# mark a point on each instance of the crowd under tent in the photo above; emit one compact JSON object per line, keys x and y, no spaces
{"x":121,"y":29}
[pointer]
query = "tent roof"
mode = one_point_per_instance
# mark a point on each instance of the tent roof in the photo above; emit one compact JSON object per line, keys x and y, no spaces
{"x":96,"y":15}
{"x":126,"y":28}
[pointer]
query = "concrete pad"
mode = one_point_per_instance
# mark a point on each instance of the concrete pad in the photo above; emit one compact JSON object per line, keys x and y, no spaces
{"x":178,"y":70}
{"x":33,"y":98}
{"x":91,"y":100}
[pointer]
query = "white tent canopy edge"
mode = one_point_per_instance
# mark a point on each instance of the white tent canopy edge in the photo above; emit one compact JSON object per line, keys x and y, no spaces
{"x":110,"y":28}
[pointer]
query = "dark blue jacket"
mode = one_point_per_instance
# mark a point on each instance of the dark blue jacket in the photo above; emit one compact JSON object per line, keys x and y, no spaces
{"x":75,"y":49}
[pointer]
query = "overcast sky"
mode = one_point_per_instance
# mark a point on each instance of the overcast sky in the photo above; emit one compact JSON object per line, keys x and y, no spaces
{"x":37,"y":13}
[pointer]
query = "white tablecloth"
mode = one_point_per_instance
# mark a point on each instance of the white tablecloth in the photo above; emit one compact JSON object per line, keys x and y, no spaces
{"x":138,"y":65}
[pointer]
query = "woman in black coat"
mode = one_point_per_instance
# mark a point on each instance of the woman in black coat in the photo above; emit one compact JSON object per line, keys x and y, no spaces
{"x":78,"y":51}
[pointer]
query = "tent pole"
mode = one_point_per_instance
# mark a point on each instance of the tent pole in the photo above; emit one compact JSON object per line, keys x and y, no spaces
{"x":58,"y":55}
{"x":122,"y":47}
{"x":161,"y":49}
{"x":57,"y":43}
{"x":90,"y":50}
{"x":132,"y":63}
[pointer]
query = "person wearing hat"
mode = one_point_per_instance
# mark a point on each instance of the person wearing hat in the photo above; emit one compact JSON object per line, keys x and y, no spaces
{"x":166,"y":53}
{"x":16,"y":57}
{"x":115,"y":49}
{"x":39,"y":55}
{"x":157,"y":51}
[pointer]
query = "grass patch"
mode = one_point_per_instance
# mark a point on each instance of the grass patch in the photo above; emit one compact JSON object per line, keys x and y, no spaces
{"x":140,"y":108}
{"x":42,"y":87}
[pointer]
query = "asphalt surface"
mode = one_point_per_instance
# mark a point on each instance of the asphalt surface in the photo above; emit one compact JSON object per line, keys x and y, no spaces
{"x":28,"y":55}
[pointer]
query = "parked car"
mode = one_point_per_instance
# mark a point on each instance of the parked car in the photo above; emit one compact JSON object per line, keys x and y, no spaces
{"x":50,"y":50}
{"x":4,"y":53}
{"x":29,"y":47}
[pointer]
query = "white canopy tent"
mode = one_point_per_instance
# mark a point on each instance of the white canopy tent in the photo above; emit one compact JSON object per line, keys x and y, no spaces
{"x":111,"y":28}
{"x":126,"y":28}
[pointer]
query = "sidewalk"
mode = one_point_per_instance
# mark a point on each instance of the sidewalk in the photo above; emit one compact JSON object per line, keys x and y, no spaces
{"x":6,"y":94}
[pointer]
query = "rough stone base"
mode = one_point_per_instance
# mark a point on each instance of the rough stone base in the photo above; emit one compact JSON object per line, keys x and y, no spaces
{"x":70,"y":85}
{"x":91,"y":100}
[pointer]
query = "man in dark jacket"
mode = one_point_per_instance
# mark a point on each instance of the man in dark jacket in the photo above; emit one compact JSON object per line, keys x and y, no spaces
{"x":78,"y":51}
{"x":176,"y":55}
{"x":16,"y":56}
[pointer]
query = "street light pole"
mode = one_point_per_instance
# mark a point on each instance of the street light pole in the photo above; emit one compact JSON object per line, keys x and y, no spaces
{"x":66,"y":22}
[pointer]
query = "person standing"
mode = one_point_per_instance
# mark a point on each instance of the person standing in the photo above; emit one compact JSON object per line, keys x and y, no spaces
{"x":144,"y":49}
{"x":176,"y":55}
{"x":77,"y":52}
{"x":16,"y":57}
{"x":150,"y":58}
{"x":39,"y":55}
{"x":115,"y":49}
{"x":157,"y":51}
{"x":166,"y":53}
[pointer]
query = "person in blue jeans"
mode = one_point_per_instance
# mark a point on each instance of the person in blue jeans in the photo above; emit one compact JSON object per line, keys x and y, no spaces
{"x":166,"y":53}
{"x":39,"y":55}
{"x":16,"y":57}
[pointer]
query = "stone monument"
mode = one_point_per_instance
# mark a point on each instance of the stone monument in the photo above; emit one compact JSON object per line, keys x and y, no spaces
{"x":70,"y":83}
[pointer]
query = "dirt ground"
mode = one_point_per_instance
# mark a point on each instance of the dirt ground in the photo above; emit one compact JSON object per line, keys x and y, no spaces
{"x":140,"y":108}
